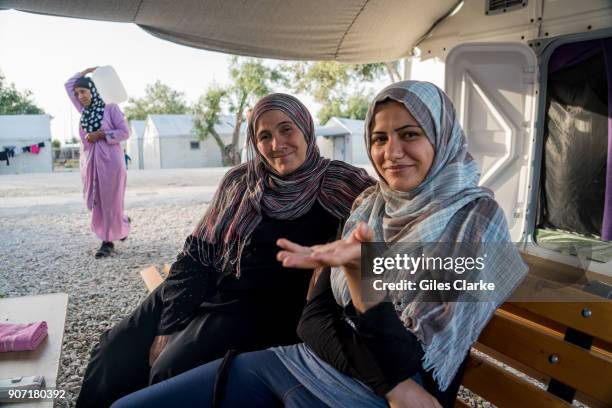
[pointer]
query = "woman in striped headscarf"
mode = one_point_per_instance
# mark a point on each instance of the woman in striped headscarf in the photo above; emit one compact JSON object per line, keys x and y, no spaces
{"x":226,"y":290}
{"x":365,"y":349}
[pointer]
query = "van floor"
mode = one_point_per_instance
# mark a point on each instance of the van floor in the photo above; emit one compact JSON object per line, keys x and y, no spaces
{"x":591,"y":247}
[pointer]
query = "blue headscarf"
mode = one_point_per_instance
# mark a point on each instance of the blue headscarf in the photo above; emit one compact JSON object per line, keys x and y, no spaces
{"x":448,"y":206}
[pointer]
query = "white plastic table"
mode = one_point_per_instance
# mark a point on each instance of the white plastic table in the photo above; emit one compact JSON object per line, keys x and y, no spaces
{"x":45,"y":359}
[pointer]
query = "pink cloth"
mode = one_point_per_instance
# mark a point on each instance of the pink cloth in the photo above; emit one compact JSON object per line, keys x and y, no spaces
{"x":21,"y":337}
{"x":103,"y":172}
{"x":34,"y":149}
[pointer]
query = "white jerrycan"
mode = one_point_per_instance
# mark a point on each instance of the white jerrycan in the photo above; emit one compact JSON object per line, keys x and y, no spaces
{"x":109,"y":85}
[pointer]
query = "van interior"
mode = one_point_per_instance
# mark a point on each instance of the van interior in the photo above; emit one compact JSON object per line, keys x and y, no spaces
{"x":575,"y":155}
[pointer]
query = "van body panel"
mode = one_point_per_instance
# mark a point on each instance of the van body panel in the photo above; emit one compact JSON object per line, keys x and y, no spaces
{"x":539,"y":19}
{"x":493,"y":87}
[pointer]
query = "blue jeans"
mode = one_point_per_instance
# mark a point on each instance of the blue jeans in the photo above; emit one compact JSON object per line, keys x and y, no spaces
{"x":256,"y":379}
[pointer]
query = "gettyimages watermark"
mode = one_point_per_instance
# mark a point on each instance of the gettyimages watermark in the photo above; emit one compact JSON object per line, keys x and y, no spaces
{"x":466,"y":272}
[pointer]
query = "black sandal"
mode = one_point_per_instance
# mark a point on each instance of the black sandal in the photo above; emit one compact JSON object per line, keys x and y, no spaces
{"x":105,"y":250}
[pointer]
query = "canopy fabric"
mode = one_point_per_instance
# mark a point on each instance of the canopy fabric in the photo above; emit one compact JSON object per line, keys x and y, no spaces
{"x":355,"y":31}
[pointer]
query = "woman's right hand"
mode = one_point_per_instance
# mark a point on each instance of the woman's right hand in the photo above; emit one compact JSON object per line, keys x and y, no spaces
{"x":409,"y":394}
{"x":343,"y":252}
{"x":88,"y":70}
{"x":94,"y":137}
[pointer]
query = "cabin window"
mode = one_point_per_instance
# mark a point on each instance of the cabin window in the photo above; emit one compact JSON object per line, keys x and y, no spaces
{"x":573,"y":213}
{"x":194,"y":145}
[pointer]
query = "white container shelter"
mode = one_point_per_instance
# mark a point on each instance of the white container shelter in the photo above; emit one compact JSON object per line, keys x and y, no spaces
{"x":170,"y":141}
{"x":17,"y":131}
{"x":342,"y":139}
{"x":134,"y":144}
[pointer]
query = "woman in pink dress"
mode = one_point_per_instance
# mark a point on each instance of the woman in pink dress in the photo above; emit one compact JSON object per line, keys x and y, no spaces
{"x":102,"y":129}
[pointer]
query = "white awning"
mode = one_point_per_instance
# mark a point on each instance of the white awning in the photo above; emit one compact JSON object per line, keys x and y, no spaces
{"x":342,"y":30}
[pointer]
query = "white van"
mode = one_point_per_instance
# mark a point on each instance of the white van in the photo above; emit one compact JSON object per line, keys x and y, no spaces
{"x":532,"y":85}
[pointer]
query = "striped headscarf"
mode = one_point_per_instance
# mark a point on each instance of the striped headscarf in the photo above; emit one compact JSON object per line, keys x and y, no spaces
{"x":447,"y":207}
{"x":253,"y":188}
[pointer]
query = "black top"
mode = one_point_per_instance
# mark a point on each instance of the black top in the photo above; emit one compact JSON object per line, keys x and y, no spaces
{"x":373,"y":347}
{"x":265,"y":287}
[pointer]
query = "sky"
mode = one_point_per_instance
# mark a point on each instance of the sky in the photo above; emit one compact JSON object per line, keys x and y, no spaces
{"x":39,"y":53}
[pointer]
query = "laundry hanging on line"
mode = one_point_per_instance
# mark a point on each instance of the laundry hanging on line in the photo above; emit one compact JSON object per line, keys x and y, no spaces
{"x":4,"y":157}
{"x":35,"y":148}
{"x":9,"y":152}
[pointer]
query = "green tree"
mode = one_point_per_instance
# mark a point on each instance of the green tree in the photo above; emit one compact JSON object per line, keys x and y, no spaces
{"x":14,"y":102}
{"x":56,"y":143}
{"x":206,"y":114}
{"x":338,"y":87}
{"x":159,"y":99}
{"x":250,"y":80}
{"x":353,"y":107}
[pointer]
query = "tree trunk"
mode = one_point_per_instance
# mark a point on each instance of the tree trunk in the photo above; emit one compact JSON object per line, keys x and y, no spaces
{"x":236,"y":134}
{"x":226,"y":156}
{"x":235,"y":153}
{"x":392,"y":71}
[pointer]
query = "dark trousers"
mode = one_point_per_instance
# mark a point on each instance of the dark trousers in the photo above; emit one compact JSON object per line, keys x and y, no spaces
{"x":119,"y":363}
{"x":256,"y":380}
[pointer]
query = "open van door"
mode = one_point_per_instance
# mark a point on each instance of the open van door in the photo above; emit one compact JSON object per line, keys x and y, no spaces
{"x":494,"y":88}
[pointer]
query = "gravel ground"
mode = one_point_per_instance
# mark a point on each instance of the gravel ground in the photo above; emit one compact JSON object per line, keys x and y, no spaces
{"x":101,"y":292}
{"x":49,"y":248}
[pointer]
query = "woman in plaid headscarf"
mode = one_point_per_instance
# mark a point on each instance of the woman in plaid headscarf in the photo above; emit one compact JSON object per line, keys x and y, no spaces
{"x":394,"y":350}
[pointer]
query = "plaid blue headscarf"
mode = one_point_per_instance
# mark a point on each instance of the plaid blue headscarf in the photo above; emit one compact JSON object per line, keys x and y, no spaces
{"x":448,"y":206}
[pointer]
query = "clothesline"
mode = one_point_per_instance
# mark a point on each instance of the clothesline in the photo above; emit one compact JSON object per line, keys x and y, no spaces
{"x":9,"y":152}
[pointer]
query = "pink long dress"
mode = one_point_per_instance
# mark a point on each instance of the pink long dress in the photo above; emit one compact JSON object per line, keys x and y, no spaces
{"x":103,"y":171}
